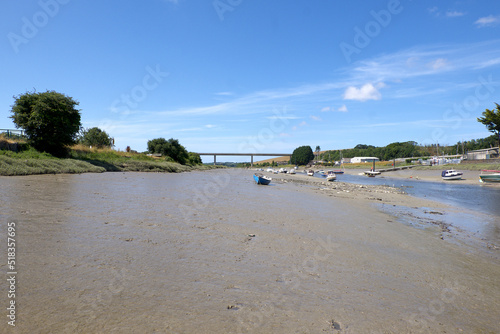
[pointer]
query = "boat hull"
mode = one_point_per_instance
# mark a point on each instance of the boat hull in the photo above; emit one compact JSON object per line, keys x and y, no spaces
{"x":451,"y":175}
{"x":261,"y":180}
{"x":489,"y":178}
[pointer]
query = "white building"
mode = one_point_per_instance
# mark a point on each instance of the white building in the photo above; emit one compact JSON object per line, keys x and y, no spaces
{"x":363,"y":159}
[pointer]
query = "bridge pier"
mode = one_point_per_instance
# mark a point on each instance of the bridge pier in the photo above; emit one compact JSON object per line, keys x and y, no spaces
{"x":251,"y":160}
{"x":215,"y":160}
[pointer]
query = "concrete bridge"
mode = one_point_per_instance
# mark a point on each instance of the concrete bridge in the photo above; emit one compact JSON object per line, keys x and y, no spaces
{"x":248,"y":154}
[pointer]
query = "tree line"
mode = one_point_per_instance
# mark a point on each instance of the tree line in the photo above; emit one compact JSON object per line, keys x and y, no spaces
{"x":52,"y":124}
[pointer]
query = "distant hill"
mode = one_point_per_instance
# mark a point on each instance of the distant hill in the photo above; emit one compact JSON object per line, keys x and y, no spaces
{"x":277,"y":159}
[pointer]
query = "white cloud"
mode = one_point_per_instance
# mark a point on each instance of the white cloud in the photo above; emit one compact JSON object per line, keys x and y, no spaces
{"x":487,"y":21}
{"x":366,"y":92}
{"x":325,"y":109}
{"x":316,"y":118}
{"x":210,"y":126}
{"x":342,"y":109}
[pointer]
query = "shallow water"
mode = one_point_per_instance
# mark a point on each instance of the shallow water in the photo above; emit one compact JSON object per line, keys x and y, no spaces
{"x":477,"y":207}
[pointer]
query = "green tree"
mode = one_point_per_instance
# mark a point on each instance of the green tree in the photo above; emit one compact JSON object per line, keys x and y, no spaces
{"x":169,"y":148}
{"x":50,"y":120}
{"x":302,"y":155}
{"x":491,"y":118}
{"x":95,"y":137}
{"x":194,"y":158}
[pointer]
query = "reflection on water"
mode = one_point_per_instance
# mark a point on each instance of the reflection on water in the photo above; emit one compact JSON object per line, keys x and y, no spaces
{"x":479,"y":206}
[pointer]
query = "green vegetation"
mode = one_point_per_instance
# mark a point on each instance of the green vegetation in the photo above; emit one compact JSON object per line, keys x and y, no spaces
{"x":95,"y":137}
{"x":49,"y":120}
{"x":491,"y":119}
{"x":85,"y":160}
{"x":171,"y":149}
{"x":408,"y":149}
{"x":302,"y":155}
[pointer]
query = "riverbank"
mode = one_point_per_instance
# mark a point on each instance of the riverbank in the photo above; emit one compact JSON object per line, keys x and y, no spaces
{"x":173,"y":253}
{"x":31,"y":162}
{"x":433,"y":174}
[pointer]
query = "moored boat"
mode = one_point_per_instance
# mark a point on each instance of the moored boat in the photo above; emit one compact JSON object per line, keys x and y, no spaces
{"x":331,"y":176}
{"x":261,"y":179}
{"x":494,"y":177}
{"x":310,"y":172}
{"x":371,"y":173}
{"x":451,"y":174}
{"x":292,"y":171}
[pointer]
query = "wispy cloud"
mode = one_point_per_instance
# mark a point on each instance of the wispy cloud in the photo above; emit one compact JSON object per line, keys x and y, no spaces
{"x":454,"y":13}
{"x":438,"y":63}
{"x":224,"y":93}
{"x":487,"y":21}
{"x":316,"y":118}
{"x":343,"y":108}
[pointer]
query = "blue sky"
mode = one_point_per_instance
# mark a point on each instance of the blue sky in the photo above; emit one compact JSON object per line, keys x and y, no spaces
{"x":259,"y":76}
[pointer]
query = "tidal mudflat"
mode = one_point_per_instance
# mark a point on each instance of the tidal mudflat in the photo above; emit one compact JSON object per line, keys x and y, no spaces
{"x":213,"y":252}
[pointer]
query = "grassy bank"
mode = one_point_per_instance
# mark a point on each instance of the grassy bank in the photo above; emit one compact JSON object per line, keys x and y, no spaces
{"x":85,"y":160}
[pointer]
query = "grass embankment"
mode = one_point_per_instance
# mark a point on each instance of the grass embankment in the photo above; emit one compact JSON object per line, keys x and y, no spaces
{"x":85,"y":160}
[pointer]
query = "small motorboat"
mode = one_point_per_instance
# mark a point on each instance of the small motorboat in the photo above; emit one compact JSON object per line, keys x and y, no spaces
{"x":292,"y":171}
{"x":495,"y":177}
{"x":372,"y":173}
{"x":331,"y":176}
{"x":310,"y":172}
{"x":262,"y":179}
{"x":451,"y":174}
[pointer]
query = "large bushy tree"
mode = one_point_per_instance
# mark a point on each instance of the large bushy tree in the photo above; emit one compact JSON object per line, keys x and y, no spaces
{"x":302,"y":155}
{"x":170,"y":148}
{"x":491,"y":118}
{"x":95,"y":137}
{"x":50,"y":120}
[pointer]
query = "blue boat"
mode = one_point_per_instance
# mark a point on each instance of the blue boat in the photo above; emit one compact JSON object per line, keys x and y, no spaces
{"x":261,"y":179}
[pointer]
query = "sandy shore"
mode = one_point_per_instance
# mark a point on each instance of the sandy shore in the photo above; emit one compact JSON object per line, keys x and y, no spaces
{"x":434,"y":175}
{"x":212,"y":252}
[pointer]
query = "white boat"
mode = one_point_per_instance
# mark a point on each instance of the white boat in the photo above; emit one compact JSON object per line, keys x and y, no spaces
{"x":270,"y":170}
{"x":331,"y":176}
{"x":310,"y":172}
{"x":283,"y":170}
{"x":371,"y":173}
{"x":292,"y":171}
{"x":451,"y":174}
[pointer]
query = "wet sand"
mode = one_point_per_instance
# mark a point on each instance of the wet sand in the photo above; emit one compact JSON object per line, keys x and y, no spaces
{"x":212,"y":252}
{"x":433,"y":175}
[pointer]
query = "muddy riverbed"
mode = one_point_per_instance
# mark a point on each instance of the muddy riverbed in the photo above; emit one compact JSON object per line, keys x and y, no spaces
{"x":212,"y":252}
